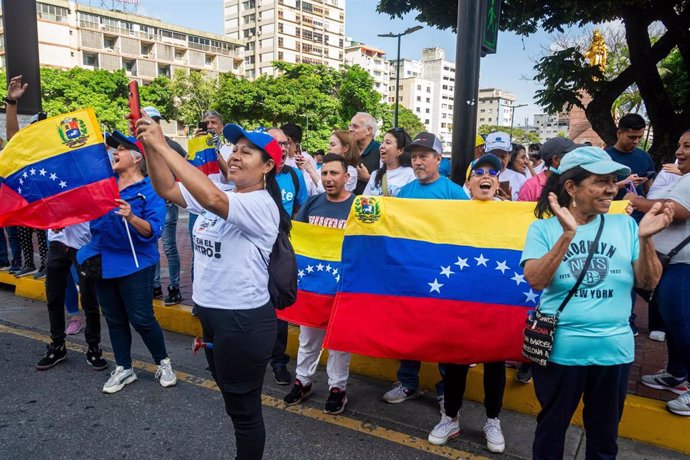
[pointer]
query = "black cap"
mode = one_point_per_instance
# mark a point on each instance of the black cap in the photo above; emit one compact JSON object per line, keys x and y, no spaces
{"x":557,"y":146}
{"x":428,"y":141}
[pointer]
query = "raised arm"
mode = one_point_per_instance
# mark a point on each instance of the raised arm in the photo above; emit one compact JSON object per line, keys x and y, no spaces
{"x":15,"y":90}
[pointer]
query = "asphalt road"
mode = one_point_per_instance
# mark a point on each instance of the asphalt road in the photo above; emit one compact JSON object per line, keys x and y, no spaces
{"x":62,"y":413}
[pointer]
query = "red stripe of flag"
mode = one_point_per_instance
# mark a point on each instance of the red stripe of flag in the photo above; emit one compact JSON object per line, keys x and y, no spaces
{"x":310,"y":309}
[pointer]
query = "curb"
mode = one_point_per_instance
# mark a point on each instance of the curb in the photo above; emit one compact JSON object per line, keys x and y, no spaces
{"x":644,"y":419}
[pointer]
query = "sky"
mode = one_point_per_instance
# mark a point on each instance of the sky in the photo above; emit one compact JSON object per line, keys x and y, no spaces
{"x":510,"y":69}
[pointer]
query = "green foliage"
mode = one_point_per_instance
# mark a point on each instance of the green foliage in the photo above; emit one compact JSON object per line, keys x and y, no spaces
{"x":193,"y":93}
{"x":519,"y":135}
{"x":407,"y":120}
{"x":159,"y":95}
{"x":356,"y":93}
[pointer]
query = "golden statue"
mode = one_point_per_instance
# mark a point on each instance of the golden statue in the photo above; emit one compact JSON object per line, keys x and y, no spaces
{"x":597,"y":52}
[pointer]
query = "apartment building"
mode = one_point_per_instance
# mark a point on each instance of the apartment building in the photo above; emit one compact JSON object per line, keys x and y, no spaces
{"x":550,"y":126}
{"x":373,"y":61}
{"x":495,"y":107}
{"x":416,"y":94}
{"x":75,"y":35}
{"x":294,"y":31}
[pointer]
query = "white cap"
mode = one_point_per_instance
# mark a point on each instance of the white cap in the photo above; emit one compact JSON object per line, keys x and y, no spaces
{"x":498,"y":141}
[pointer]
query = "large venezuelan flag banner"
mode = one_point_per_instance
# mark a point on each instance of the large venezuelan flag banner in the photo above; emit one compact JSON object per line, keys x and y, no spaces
{"x":318,"y":252}
{"x":202,"y":154}
{"x":56,"y":173}
{"x":433,"y":281}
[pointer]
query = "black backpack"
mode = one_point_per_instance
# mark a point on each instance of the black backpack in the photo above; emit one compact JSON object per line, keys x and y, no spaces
{"x":282,"y":272}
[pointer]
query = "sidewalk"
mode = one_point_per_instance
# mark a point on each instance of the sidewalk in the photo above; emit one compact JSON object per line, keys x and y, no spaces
{"x":368,"y":424}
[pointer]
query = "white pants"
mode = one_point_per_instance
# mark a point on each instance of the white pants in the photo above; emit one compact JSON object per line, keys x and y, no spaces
{"x":310,"y":343}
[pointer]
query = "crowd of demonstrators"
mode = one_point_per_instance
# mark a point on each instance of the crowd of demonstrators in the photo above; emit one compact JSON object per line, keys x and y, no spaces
{"x":396,"y":170}
{"x":363,"y":127}
{"x":550,"y":155}
{"x":535,"y":158}
{"x":169,"y":236}
{"x":123,"y":251}
{"x":234,"y":237}
{"x":296,"y":158}
{"x":593,"y":345}
{"x":328,"y":209}
{"x":671,"y":296}
{"x":511,"y":181}
{"x":483,"y":185}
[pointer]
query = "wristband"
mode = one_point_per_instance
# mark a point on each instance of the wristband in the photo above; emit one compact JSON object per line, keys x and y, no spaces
{"x":11,"y":101}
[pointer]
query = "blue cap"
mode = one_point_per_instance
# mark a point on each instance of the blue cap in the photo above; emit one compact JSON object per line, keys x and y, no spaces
{"x":592,"y":159}
{"x":152,"y":112}
{"x":117,"y":138}
{"x":233,"y":133}
{"x":490,"y":159}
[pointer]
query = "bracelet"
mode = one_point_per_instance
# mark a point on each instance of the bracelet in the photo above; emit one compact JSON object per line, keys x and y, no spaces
{"x":11,"y":101}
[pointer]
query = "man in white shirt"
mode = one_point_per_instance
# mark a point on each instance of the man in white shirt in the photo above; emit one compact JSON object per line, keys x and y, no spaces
{"x":499,"y":144}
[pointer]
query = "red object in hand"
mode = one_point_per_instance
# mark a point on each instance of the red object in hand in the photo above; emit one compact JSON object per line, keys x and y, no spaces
{"x":134,"y":104}
{"x":197,"y":343}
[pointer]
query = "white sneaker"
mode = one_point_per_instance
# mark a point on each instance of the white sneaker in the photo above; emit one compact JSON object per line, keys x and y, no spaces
{"x":399,"y":393}
{"x":680,"y":405}
{"x":658,"y":336}
{"x":165,"y":374}
{"x":118,"y":379}
{"x":494,"y":436}
{"x":446,"y":429}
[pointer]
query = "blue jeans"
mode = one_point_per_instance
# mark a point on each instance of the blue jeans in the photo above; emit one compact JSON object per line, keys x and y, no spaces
{"x":170,"y":248}
{"x":129,"y":300}
{"x":408,"y":375}
{"x":673,"y":296}
{"x":15,"y":247}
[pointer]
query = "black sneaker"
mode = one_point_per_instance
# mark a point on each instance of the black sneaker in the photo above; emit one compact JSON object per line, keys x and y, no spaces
{"x":14,"y":269}
{"x":24,"y":271}
{"x":297,"y":394}
{"x":282,"y":375}
{"x":524,"y":373}
{"x":40,"y":274}
{"x":95,"y":359}
{"x":158,"y":292}
{"x":335,"y":404}
{"x":174,"y":297}
{"x":54,"y":355}
{"x":5,"y":267}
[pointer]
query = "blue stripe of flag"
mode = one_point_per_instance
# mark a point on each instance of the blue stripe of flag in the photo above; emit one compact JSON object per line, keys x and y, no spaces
{"x":317,"y":276}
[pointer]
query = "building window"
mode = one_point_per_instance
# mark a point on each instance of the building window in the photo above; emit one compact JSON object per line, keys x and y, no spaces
{"x":419,"y":99}
{"x":418,"y":110}
{"x":164,"y":71}
{"x":426,"y":122}
{"x":419,"y":87}
{"x":428,"y":89}
{"x":146,"y":49}
{"x":428,"y":100}
{"x":109,"y":42}
{"x":51,"y":13}
{"x":209,"y":60}
{"x":130,"y":66}
{"x":91,"y":60}
{"x":427,"y":110}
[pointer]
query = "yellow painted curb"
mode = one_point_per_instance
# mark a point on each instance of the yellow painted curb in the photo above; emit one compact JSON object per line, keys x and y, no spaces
{"x":644,"y":419}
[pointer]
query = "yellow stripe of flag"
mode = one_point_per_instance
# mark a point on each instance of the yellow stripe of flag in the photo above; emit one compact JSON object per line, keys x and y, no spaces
{"x":456,"y":222}
{"x":48,"y":138}
{"x":317,"y":242}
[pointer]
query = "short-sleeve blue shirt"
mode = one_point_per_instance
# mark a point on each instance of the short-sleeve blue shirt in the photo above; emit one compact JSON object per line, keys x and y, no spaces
{"x":290,"y":196}
{"x":593,"y":327}
{"x":440,"y":189}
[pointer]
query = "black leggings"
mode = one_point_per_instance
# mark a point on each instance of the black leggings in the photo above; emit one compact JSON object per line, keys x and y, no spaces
{"x":455,"y":381}
{"x":242,"y":345}
{"x":28,"y":246}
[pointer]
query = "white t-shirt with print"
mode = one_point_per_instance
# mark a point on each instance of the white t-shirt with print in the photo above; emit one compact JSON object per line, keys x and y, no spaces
{"x":230,"y":271}
{"x":396,"y":179}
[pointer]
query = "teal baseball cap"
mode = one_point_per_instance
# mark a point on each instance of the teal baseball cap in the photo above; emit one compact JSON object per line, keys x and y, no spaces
{"x":592,"y":159}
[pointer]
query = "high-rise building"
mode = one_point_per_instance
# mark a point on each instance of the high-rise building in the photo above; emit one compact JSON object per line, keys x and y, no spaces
{"x":71,"y":35}
{"x":495,"y":107}
{"x":294,"y":31}
{"x":415,"y":94}
{"x":373,"y":61}
{"x":550,"y":126}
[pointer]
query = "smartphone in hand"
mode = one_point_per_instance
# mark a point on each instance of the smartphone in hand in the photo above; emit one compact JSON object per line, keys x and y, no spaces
{"x":134,"y":104}
{"x":202,"y":126}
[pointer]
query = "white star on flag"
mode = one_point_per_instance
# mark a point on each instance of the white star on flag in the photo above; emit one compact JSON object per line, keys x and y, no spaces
{"x":435,"y":286}
{"x":446,"y":271}
{"x":319,"y":267}
{"x":309,"y":269}
{"x":63,"y":184}
{"x":337,"y":279}
{"x":25,"y":175}
{"x":32,"y":171}
{"x":42,"y":172}
{"x":502,"y":266}
{"x":462,"y":263}
{"x":335,"y":271}
{"x":300,"y":273}
{"x":329,"y":268}
{"x":531,"y":296}
{"x":481,"y":260}
{"x":21,"y":181}
{"x":53,"y":176}
{"x":19,"y":190}
{"x":519,"y":279}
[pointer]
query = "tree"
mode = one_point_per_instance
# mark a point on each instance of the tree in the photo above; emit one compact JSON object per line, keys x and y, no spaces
{"x":519,"y":135}
{"x":193,"y":94}
{"x":565,"y":73}
{"x":407,"y":120}
{"x":159,"y":95}
{"x":357,"y":94}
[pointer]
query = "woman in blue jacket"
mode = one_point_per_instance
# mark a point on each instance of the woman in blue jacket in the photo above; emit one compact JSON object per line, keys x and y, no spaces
{"x":125,"y":285}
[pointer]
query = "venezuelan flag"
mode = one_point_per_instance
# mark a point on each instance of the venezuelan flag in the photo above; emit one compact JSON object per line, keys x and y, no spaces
{"x":202,"y":154}
{"x":56,"y":173}
{"x":434,"y":281}
{"x":318,"y":252}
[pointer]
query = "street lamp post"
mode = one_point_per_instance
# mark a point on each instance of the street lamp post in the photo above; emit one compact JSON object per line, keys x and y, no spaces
{"x":397,"y":72}
{"x":512,"y":118}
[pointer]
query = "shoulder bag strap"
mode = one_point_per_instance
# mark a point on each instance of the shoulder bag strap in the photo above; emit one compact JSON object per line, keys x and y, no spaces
{"x":585,"y":267}
{"x":680,"y":246}
{"x":384,"y":184}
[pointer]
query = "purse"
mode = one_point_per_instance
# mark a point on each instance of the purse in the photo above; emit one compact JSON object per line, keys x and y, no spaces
{"x":539,"y":330}
{"x":92,"y":268}
{"x":665,"y":259}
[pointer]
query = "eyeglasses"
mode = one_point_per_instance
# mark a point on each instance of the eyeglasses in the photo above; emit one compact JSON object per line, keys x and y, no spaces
{"x":284,"y":144}
{"x":482,"y":171}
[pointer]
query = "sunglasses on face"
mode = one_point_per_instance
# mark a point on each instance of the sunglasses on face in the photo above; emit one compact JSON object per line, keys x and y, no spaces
{"x":482,"y":171}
